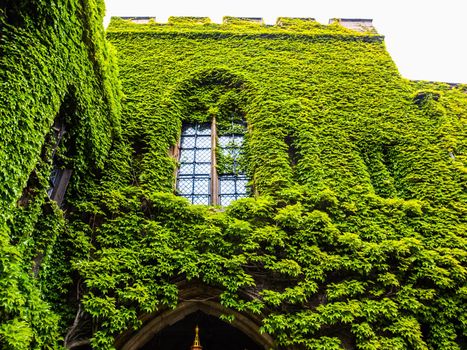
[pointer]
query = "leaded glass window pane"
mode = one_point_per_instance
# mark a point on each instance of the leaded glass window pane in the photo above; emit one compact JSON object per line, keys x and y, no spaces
{"x":202,"y":169}
{"x":204,"y":129}
{"x":201,"y":186}
{"x":223,"y":141}
{"x":201,"y":200}
{"x":232,"y":180}
{"x":225,"y":200}
{"x":194,"y":175}
{"x":241,"y":185}
{"x":185,"y":185}
{"x":203,"y":155}
{"x":186,"y":169}
{"x":189,"y":129}
{"x":227,"y":186}
{"x":203,"y":142}
{"x":232,"y":187}
{"x":188,"y":142}
{"x":194,"y":180}
{"x":188,"y":156}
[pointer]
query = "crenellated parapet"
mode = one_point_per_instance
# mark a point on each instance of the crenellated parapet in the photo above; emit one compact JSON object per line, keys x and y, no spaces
{"x":139,"y":19}
{"x":359,"y":25}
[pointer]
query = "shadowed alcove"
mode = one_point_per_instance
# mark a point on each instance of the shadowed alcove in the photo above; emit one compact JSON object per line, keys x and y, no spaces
{"x":175,"y":329}
{"x":213,"y":334}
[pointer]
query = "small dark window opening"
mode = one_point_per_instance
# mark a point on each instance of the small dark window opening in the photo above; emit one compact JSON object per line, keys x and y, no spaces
{"x":422,"y":97}
{"x":387,"y":159}
{"x":57,"y":132}
{"x":59,"y":176}
{"x":381,"y":169}
{"x":292,"y":150}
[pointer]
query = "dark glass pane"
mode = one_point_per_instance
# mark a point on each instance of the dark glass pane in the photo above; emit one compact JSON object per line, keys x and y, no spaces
{"x":204,"y":129}
{"x":189,"y":129}
{"x":53,"y":176}
{"x":203,"y":142}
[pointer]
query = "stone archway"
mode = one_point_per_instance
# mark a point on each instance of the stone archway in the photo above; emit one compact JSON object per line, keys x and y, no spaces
{"x":213,"y":333}
{"x":194,"y":299}
{"x":171,"y":317}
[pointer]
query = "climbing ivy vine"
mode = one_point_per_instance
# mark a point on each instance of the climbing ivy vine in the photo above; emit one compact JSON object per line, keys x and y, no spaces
{"x":354,"y":236}
{"x":54,"y":63}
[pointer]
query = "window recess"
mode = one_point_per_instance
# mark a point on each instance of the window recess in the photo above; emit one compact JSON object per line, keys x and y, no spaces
{"x":232,"y":177}
{"x":59,"y":178}
{"x":211,"y":170}
{"x":195,"y":172}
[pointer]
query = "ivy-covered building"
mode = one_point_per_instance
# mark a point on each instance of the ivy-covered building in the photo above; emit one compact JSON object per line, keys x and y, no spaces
{"x":281,"y":187}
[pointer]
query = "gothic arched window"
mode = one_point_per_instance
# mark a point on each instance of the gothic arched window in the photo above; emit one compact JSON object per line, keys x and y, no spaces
{"x":210,"y":156}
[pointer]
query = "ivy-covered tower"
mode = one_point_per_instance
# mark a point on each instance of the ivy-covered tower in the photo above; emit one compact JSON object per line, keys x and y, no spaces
{"x":260,"y":187}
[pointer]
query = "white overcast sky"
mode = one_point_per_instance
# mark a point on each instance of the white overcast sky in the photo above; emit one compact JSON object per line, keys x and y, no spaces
{"x":426,"y":38}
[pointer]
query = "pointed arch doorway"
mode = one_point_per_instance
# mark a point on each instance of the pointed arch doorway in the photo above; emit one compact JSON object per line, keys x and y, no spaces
{"x":175,"y":330}
{"x":213,"y":334}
